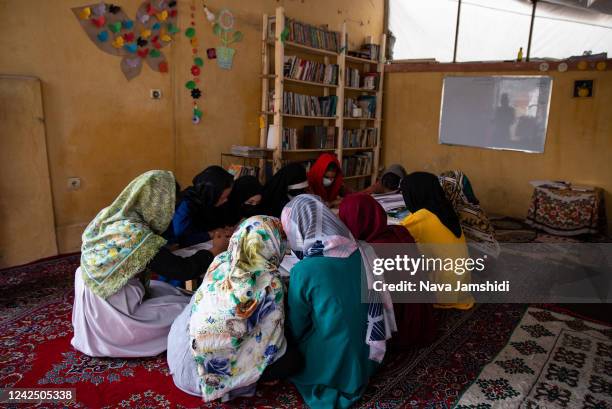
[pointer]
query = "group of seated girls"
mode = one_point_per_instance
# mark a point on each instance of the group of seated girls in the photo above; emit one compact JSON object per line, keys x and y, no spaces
{"x":243,"y":325}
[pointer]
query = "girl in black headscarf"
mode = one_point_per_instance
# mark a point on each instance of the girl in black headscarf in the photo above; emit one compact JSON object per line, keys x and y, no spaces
{"x":244,"y":201}
{"x":434,"y":225}
{"x":197,"y":213}
{"x":287,"y":183}
{"x":422,"y":190}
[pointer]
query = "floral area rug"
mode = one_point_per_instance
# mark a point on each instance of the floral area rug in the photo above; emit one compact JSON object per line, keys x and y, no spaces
{"x":551,"y":361}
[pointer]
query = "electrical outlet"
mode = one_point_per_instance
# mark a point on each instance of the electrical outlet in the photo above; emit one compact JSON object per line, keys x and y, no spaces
{"x":74,"y":183}
{"x":156,"y":94}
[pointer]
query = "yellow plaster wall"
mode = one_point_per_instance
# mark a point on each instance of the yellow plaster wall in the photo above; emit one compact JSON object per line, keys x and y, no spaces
{"x":106,"y":130}
{"x":578,"y":144}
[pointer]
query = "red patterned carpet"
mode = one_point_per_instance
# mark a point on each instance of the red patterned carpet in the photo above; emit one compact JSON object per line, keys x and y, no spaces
{"x":35,"y":351}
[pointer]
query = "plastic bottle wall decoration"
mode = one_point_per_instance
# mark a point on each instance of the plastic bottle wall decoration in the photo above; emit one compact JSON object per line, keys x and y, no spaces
{"x":224,"y":29}
{"x":136,"y":41}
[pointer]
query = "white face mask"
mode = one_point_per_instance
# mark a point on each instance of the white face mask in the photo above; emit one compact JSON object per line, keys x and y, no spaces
{"x":327,"y":182}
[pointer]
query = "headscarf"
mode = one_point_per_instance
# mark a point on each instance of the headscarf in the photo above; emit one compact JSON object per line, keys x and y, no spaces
{"x":313,"y":230}
{"x":123,"y":238}
{"x":473,"y":219}
{"x":367,"y":221}
{"x":208,"y":185}
{"x":317,"y":173}
{"x":422,"y":190}
{"x":395,"y":169}
{"x":244,"y":188}
{"x":204,"y":193}
{"x":275,"y":193}
{"x":237,"y":316}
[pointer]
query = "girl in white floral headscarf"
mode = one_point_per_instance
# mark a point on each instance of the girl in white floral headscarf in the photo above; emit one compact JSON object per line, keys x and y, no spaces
{"x":235,"y":327}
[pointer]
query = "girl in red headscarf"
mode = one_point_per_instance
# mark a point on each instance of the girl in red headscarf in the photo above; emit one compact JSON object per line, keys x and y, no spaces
{"x":367,"y":221}
{"x":326,"y":180}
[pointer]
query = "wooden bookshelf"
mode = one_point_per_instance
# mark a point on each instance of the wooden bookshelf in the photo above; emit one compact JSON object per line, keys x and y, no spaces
{"x":272,"y":77}
{"x":316,"y":84}
{"x":368,"y":91}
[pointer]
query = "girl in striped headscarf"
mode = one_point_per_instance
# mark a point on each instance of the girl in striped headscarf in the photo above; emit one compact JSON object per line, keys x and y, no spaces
{"x":341,"y":338}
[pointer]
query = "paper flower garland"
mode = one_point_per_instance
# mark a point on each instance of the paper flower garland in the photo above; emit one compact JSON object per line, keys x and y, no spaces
{"x":134,"y":40}
{"x":224,"y":29}
{"x":192,"y":85}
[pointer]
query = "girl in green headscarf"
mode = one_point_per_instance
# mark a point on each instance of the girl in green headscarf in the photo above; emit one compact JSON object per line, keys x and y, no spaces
{"x":118,"y":311}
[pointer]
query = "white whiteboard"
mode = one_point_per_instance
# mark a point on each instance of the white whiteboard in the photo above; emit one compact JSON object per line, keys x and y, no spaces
{"x":496,"y":112}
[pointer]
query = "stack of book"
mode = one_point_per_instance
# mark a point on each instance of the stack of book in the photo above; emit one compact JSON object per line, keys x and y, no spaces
{"x":359,"y":138}
{"x":367,"y":51}
{"x":357,"y":165}
{"x":352,"y":77}
{"x":248,"y":151}
{"x":309,"y":105}
{"x":306,"y":70}
{"x":242,"y":170}
{"x":312,"y":36}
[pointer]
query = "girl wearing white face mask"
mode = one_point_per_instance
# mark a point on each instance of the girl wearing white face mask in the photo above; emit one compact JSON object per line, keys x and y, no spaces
{"x":326,"y":180}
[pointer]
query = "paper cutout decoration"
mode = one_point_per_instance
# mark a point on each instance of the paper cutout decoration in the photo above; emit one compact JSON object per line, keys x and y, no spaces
{"x":211,"y":53}
{"x":224,"y":29}
{"x":191,"y":85}
{"x":113,"y":32}
{"x":210,"y":16}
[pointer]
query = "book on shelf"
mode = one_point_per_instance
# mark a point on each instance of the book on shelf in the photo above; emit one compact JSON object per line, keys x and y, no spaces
{"x":352,"y":77}
{"x":357,"y":165}
{"x":359,"y":138}
{"x":290,"y":139}
{"x":309,"y":105}
{"x":271,"y":141}
{"x":248,"y":151}
{"x":305,"y":70}
{"x":242,"y":170}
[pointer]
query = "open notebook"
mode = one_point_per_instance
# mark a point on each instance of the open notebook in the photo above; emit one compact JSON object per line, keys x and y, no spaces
{"x":191,"y":250}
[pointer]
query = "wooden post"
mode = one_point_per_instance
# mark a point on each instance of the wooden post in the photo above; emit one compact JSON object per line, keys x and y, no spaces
{"x":279,"y":57}
{"x":265,"y":87}
{"x":379,"y":97}
{"x":341,"y":61}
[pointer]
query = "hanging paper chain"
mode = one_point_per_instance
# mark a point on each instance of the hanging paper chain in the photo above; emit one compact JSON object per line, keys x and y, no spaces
{"x":196,"y":68}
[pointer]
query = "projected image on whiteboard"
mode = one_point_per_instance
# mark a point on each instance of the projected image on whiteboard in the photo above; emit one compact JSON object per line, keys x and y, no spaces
{"x":496,"y":112}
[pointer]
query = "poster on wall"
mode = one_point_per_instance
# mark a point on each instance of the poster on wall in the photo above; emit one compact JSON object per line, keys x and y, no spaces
{"x":136,"y":41}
